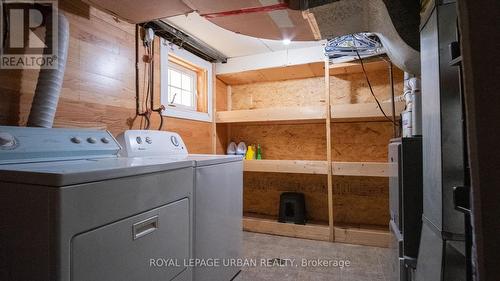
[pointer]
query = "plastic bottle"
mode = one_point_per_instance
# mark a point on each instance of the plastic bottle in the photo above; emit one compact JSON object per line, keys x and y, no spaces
{"x":241,"y":149}
{"x":231,"y":148}
{"x":250,"y":153}
{"x":259,"y":152}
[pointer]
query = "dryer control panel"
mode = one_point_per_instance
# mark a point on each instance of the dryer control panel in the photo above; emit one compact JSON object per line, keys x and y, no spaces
{"x":29,"y":144}
{"x":141,"y":143}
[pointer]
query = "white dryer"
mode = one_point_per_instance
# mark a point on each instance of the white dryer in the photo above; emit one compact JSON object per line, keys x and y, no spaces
{"x":218,"y":197}
{"x":70,"y":209}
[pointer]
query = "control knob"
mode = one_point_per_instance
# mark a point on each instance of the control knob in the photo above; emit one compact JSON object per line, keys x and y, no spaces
{"x":7,"y":141}
{"x":174,"y":141}
{"x":76,"y":140}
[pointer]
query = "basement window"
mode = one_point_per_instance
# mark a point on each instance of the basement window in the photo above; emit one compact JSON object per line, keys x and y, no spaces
{"x":181,"y":87}
{"x":186,"y":84}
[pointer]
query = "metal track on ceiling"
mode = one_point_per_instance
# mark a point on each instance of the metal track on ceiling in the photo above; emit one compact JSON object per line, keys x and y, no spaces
{"x":185,"y":41}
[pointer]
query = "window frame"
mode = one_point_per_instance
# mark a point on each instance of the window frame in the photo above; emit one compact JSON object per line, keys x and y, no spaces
{"x":204,"y":103}
{"x":194,"y":86}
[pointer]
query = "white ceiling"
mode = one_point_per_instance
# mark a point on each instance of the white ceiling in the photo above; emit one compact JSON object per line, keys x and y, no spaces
{"x":227,"y":42}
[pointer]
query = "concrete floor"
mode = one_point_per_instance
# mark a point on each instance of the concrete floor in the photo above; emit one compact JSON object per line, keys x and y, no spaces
{"x":366,"y":263}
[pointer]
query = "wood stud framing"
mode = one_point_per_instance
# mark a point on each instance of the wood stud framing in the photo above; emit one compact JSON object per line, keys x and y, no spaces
{"x":214,"y":111}
{"x":329,"y":150}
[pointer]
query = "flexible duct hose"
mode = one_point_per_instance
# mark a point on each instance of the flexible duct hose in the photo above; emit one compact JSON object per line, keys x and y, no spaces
{"x":48,"y":88}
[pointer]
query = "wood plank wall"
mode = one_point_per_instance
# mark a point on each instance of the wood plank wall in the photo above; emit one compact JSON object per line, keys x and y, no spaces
{"x":357,"y":200}
{"x":99,"y":84}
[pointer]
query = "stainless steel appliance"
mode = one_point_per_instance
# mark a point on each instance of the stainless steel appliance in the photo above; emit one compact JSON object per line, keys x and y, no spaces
{"x":442,"y":245}
{"x":218,"y":194}
{"x":72,"y":210}
{"x":405,"y":200}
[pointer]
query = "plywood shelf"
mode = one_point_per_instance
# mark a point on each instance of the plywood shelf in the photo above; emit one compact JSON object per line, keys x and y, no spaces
{"x":292,"y":114}
{"x":362,"y":169}
{"x":286,"y":166}
{"x":269,"y":225}
{"x":371,"y":169}
{"x":301,"y":71}
{"x":310,"y":114}
{"x":364,"y":111}
{"x":355,"y":67}
{"x":360,"y":235}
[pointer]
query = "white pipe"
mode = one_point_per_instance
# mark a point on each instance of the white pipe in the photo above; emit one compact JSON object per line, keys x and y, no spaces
{"x":416,"y":120}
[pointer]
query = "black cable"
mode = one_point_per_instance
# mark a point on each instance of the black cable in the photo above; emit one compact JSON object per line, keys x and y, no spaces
{"x":147,"y":71}
{"x":371,"y":89}
{"x":161,"y":122}
{"x":159,"y":111}
{"x":150,"y":88}
{"x":151,"y":71}
{"x":6,"y":25}
{"x":138,"y":105}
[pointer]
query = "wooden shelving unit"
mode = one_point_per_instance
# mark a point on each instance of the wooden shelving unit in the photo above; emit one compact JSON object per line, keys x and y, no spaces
{"x":312,"y":114}
{"x":309,"y":114}
{"x":360,"y":112}
{"x":286,"y":166}
{"x":366,"y":112}
{"x":320,"y":113}
{"x":301,"y":71}
{"x":362,"y":169}
{"x":360,"y":235}
{"x":369,"y":169}
{"x":269,"y":225}
{"x":355,"y":67}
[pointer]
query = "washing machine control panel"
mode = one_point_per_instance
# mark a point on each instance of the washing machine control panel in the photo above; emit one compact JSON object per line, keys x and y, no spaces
{"x":27,"y":144}
{"x":141,"y":143}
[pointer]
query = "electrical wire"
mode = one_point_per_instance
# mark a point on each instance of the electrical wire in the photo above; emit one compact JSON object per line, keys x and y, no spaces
{"x":160,"y":109}
{"x":139,"y":107}
{"x":148,"y":95}
{"x":145,"y":96}
{"x":147,"y":77}
{"x":6,"y":24}
{"x":371,"y":89}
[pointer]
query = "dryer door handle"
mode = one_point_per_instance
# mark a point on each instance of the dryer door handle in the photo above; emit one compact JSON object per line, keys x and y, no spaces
{"x":144,"y":227}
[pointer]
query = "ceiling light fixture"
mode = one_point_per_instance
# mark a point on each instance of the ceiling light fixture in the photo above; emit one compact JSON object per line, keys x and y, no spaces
{"x":286,"y":42}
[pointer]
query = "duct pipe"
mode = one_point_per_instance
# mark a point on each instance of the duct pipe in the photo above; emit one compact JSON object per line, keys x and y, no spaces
{"x":48,"y":88}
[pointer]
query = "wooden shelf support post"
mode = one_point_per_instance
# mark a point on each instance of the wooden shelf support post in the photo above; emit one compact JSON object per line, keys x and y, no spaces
{"x":214,"y":111}
{"x":329,"y":150}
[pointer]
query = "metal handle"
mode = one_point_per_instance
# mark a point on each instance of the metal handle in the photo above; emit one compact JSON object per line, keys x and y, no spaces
{"x":144,"y":227}
{"x":461,"y":199}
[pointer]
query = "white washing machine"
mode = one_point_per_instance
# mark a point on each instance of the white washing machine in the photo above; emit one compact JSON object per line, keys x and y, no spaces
{"x":70,"y":209}
{"x":218,"y":197}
